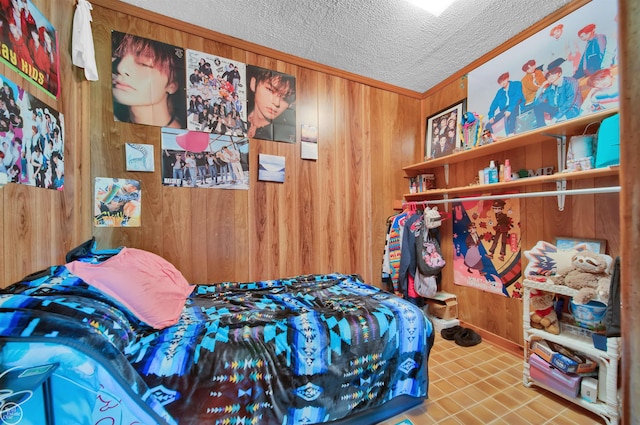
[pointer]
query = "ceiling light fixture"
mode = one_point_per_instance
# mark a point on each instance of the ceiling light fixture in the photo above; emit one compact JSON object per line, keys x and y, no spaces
{"x":435,"y":7}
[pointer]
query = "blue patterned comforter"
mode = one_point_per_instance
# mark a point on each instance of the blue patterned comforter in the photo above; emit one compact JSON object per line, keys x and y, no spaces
{"x":302,"y":350}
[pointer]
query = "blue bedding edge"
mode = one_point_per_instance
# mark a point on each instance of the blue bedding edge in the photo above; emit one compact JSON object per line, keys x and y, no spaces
{"x":381,"y":413}
{"x":392,"y":407}
{"x":99,"y":358}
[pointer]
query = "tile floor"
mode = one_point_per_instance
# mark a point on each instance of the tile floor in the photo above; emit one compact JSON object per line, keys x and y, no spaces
{"x":483,"y":385}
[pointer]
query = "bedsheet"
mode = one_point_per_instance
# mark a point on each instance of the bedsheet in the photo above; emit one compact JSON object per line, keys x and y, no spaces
{"x":301,"y":350}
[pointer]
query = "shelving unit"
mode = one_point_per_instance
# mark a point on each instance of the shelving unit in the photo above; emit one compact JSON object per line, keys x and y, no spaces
{"x":608,"y":404}
{"x":558,"y":132}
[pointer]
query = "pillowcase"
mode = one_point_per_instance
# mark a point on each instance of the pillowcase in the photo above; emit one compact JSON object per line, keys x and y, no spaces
{"x":147,"y":284}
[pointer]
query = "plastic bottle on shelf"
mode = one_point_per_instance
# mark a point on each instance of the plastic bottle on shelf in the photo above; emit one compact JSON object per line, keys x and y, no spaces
{"x":493,"y":172}
{"x":501,"y":173}
{"x":507,"y":170}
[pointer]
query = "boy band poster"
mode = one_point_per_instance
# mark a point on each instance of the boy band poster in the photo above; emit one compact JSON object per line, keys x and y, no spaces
{"x":31,"y":139}
{"x":29,"y":44}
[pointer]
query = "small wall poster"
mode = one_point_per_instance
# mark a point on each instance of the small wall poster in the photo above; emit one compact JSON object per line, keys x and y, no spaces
{"x":139,"y":157}
{"x":309,"y":142}
{"x":117,"y":202}
{"x":271,"y":168}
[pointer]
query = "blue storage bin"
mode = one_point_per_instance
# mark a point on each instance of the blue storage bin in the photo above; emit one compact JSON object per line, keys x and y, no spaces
{"x":608,"y":142}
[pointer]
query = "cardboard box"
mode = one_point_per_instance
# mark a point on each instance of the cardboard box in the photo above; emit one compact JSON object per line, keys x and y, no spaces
{"x":562,"y":358}
{"x":543,"y":372}
{"x":589,"y":389}
{"x":443,"y":305}
{"x":542,"y":349}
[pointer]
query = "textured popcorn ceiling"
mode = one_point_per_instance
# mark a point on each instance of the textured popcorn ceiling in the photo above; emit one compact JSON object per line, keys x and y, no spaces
{"x":387,"y":40}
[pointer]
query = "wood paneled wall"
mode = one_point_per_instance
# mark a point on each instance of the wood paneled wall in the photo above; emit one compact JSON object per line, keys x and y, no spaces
{"x":329,"y":215}
{"x":38,"y":226}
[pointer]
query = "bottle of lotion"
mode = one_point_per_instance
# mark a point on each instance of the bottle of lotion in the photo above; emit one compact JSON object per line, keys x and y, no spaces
{"x":493,"y":172}
{"x":507,"y":170}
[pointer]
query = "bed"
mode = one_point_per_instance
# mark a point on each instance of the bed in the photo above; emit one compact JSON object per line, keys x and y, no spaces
{"x":301,"y":350}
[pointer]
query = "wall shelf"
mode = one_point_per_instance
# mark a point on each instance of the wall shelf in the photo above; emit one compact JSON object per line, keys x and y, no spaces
{"x":519,"y":183}
{"x":550,"y":132}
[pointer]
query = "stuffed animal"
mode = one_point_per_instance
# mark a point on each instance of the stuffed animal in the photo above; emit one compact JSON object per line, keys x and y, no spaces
{"x":543,"y":315}
{"x":601,"y":293}
{"x":590,"y":274}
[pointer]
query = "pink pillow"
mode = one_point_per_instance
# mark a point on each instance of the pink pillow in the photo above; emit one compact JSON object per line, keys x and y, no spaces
{"x":147,"y":284}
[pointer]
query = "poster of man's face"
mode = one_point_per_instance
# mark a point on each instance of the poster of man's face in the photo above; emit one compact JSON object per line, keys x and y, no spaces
{"x":271,"y":105}
{"x":147,"y":81}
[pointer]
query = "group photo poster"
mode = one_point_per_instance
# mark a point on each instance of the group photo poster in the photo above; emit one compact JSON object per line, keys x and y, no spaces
{"x":204,"y":160}
{"x":30,"y":45}
{"x":148,"y":81}
{"x":216,"y":94}
{"x":487,"y":246}
{"x":567,"y":70}
{"x":271,"y":104}
{"x":31,"y":139}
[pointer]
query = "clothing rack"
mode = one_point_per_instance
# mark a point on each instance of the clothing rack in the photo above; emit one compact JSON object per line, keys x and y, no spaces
{"x":586,"y":191}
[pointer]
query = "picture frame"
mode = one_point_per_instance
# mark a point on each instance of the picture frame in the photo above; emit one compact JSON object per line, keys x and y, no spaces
{"x":564,"y":243}
{"x":439,"y":140}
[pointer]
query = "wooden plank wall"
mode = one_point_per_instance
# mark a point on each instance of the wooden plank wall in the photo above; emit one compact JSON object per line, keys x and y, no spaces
{"x":327,"y":216}
{"x":38,"y":226}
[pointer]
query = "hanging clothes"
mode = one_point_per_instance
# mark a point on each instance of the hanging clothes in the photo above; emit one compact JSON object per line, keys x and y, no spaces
{"x":392,"y":252}
{"x":408,"y":259}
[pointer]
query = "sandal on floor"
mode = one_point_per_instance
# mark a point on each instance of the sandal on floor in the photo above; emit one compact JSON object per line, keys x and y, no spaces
{"x":450,"y":333}
{"x":467,"y":338}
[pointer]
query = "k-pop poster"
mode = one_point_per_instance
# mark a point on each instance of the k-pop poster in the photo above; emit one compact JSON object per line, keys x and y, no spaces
{"x":204,"y":160}
{"x":216,"y":95}
{"x":271,"y":103}
{"x":486,"y":240}
{"x":147,"y":81}
{"x":30,"y":44}
{"x":31,"y":139}
{"x":567,"y":70}
{"x":117,"y":202}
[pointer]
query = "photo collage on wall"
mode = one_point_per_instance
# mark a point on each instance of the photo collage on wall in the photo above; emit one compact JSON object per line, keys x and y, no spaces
{"x":205,"y":104}
{"x":31,"y":139}
{"x":30,"y":45}
{"x":565,"y":71}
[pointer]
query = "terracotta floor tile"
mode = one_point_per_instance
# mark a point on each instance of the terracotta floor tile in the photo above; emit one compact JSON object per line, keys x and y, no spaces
{"x":483,"y":385}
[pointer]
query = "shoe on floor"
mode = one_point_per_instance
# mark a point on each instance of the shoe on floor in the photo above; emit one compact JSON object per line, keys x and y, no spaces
{"x":450,"y":333}
{"x":467,"y":338}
